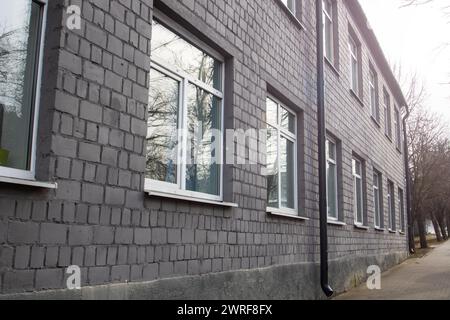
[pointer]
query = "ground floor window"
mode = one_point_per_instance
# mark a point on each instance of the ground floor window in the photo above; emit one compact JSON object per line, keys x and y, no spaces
{"x":358,"y":191}
{"x":332,"y":181}
{"x":377,"y":199}
{"x":391,"y":206}
{"x":401,"y":205}
{"x":20,"y":52}
{"x":281,"y":157}
{"x":185,"y":116}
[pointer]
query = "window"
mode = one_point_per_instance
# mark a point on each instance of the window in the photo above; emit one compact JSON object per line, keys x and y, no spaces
{"x":401,"y":205}
{"x":354,"y":65}
{"x":397,"y":126}
{"x":184,"y":140}
{"x":377,"y":199}
{"x":328,"y":30}
{"x":332,"y":181}
{"x":290,"y":4}
{"x":358,"y":192}
{"x":387,"y":114}
{"x":391,"y":206}
{"x":281,"y":157}
{"x":20,"y":56}
{"x":373,"y":89}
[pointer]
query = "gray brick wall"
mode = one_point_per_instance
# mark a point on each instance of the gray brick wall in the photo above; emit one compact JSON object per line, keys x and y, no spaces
{"x":100,"y":218}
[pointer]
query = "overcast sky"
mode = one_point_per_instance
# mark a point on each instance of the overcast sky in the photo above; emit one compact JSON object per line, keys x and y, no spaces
{"x":414,"y":37}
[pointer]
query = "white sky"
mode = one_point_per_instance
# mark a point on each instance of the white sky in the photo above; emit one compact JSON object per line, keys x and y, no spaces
{"x":414,"y":37}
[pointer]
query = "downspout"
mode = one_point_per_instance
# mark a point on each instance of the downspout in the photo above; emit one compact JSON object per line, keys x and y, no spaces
{"x":322,"y":156}
{"x":408,"y":184}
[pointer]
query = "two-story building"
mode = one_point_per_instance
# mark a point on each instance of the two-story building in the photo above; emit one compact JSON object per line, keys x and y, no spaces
{"x":120,"y":151}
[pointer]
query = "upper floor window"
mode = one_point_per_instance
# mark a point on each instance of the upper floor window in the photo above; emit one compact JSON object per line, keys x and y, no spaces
{"x":391,"y":206}
{"x":377,"y":199}
{"x":184,"y":139}
{"x":281,"y":157}
{"x":373,"y":94}
{"x":398,"y":130}
{"x":332,"y":180}
{"x":358,"y":191}
{"x":354,"y":65}
{"x":20,"y":55}
{"x":387,"y":114}
{"x":291,"y":5}
{"x":328,"y":30}
{"x":401,"y":205}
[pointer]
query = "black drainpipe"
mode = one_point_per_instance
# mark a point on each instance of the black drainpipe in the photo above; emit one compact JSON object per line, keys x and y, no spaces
{"x":322,"y":156}
{"x":408,"y":184}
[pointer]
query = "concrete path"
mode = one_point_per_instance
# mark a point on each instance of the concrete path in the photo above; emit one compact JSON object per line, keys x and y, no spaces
{"x":426,"y":278}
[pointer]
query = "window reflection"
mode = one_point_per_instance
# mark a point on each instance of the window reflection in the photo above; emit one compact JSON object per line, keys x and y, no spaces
{"x":174,"y":51}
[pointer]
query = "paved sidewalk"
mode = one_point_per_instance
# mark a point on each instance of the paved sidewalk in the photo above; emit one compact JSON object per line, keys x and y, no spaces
{"x":426,"y":278}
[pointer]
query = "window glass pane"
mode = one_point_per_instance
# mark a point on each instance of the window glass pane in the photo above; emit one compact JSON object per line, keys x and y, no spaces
{"x":377,"y":207}
{"x":174,"y":51}
{"x":272,"y":112}
{"x":328,"y":38}
{"x":331,"y":190}
{"x":287,"y":173}
{"x":204,"y":141}
{"x":287,"y":120}
{"x":331,"y":150}
{"x":357,"y":167}
{"x":272,"y":168}
{"x":19,"y":54}
{"x":162,"y":139}
{"x":290,"y":4}
{"x":359,"y":200}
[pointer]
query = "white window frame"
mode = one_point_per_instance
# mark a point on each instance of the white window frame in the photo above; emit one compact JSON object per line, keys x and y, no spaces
{"x":397,"y":128}
{"x":401,"y":206}
{"x":31,"y":174}
{"x":285,"y":133}
{"x":293,"y":10}
{"x":355,"y":198}
{"x":179,"y":188}
{"x":354,"y":57}
{"x":391,"y":205}
{"x":374,"y":108}
{"x":328,"y":18}
{"x":387,"y":114}
{"x":377,"y":188}
{"x":335,"y":163}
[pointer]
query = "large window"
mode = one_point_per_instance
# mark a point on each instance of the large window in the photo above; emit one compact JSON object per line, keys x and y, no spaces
{"x":328,"y":30}
{"x":401,"y":205}
{"x":20,"y":53}
{"x":373,"y":89}
{"x":332,"y":180}
{"x":391,"y":206}
{"x":291,"y":5}
{"x":281,"y":157}
{"x":387,"y":114}
{"x":358,"y":191}
{"x":354,"y":65}
{"x":398,"y":130}
{"x":184,"y":140}
{"x":377,"y":199}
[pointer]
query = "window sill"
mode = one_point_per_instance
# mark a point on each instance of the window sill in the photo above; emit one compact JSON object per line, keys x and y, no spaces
{"x":355,"y":95}
{"x":284,"y":214}
{"x":392,"y":231}
{"x":399,"y":151}
{"x":191,"y":199}
{"x":388,"y":137}
{"x":29,"y":183}
{"x":337,"y":223}
{"x":402,"y":233}
{"x":380,"y":229}
{"x":361,"y":227}
{"x":332,"y":67}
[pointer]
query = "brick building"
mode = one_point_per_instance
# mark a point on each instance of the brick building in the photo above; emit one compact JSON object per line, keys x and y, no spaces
{"x":87,"y":182}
